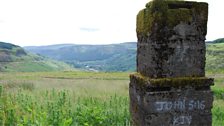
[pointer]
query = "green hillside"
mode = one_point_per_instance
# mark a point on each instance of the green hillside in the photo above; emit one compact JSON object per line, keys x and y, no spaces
{"x":113,"y":57}
{"x":117,"y":57}
{"x":221,"y":40}
{"x":14,"y":58}
{"x":215,"y":57}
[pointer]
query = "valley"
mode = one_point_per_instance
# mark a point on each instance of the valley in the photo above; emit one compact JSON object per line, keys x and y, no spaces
{"x":37,"y":90}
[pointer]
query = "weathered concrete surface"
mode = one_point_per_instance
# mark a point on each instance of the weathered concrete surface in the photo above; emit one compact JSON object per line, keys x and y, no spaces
{"x":187,"y":102}
{"x":171,"y":39}
{"x":170,"y":88}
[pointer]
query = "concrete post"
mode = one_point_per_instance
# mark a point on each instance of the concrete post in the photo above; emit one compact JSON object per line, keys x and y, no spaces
{"x":170,"y":87}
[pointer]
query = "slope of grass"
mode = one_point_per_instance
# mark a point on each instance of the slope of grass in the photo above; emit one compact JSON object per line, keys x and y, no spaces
{"x":215,"y":58}
{"x":32,"y":65}
{"x":118,"y":57}
{"x":35,"y":66}
{"x":118,"y":62}
{"x":220,"y":40}
{"x":113,"y":57}
{"x":13,"y":59}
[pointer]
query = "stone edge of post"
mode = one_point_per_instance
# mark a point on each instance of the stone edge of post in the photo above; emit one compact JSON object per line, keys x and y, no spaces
{"x":171,"y":82}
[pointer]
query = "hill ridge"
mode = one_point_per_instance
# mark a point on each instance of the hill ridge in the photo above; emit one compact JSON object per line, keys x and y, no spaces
{"x":111,"y":57}
{"x":14,"y":58}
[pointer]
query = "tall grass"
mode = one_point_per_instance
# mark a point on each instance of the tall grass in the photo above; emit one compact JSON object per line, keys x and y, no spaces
{"x":218,"y":113}
{"x":61,"y":108}
{"x":75,"y":98}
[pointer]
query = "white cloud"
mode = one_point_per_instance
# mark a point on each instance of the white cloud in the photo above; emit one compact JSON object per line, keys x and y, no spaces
{"x":41,"y":22}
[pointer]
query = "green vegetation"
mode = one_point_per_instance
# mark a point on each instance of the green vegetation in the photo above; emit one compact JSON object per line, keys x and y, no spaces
{"x":75,"y":98}
{"x":221,"y":40}
{"x":167,"y":13}
{"x":214,"y":58}
{"x":114,"y":57}
{"x":218,"y":90}
{"x":71,"y":98}
{"x":35,"y":66}
{"x":63,"y":98}
{"x":61,"y":108}
{"x":4,"y":45}
{"x":118,"y":57}
{"x":218,"y":113}
{"x":15,"y":58}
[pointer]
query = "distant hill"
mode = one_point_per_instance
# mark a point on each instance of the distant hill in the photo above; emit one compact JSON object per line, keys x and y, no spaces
{"x":15,"y":58}
{"x":116,"y":57}
{"x":221,"y":40}
{"x":9,"y":52}
{"x":113,"y":57}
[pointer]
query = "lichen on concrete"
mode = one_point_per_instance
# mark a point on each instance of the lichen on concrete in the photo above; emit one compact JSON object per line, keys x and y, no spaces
{"x":180,"y":15}
{"x":172,"y":82}
{"x":161,"y":13}
{"x":171,"y":38}
{"x":144,"y":21}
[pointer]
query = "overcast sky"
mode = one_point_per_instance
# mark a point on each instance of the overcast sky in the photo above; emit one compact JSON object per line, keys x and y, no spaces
{"x":45,"y":22}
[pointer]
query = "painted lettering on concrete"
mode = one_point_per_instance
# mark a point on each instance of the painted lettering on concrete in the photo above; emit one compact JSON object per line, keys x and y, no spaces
{"x":182,"y":120}
{"x":180,"y":105}
{"x":169,"y":105}
{"x":200,"y":105}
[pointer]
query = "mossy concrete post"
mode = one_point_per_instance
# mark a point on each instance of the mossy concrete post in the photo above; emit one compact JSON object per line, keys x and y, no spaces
{"x":170,"y":87}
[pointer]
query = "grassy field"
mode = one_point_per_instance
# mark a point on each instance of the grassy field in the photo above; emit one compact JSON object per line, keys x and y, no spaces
{"x":75,"y":98}
{"x":64,"y":98}
{"x":214,"y":58}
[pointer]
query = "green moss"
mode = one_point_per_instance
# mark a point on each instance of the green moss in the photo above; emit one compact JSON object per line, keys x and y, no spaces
{"x":157,"y":13}
{"x":154,"y":12}
{"x":172,"y":82}
{"x":175,"y":16}
{"x":202,"y":10}
{"x":144,"y":21}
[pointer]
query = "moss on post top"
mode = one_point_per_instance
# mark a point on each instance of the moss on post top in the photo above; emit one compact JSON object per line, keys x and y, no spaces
{"x":169,"y":13}
{"x":172,"y":82}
